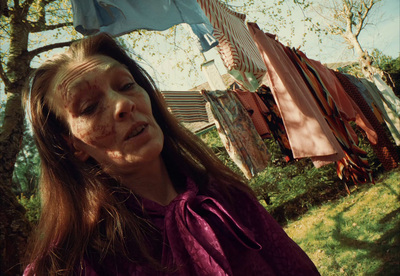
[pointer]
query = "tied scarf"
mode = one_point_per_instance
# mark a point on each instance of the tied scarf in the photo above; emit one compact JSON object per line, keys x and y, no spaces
{"x":192,"y":240}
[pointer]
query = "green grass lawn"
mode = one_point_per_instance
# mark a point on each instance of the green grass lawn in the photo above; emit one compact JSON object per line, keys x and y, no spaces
{"x":358,"y":234}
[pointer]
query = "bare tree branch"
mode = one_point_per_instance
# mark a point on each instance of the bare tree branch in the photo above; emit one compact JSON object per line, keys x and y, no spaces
{"x":46,"y":2}
{"x":359,"y":26}
{"x":348,"y":15}
{"x":4,"y":29}
{"x":362,"y":16}
{"x":56,"y":26}
{"x":39,"y":50}
{"x":37,"y":27}
{"x":368,"y":8}
{"x":337,"y":31}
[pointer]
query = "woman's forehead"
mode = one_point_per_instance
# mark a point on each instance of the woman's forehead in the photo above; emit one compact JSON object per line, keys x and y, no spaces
{"x":75,"y":70}
{"x":75,"y":73}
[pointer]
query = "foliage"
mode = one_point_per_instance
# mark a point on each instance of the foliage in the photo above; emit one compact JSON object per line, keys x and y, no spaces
{"x":373,"y":161}
{"x":290,"y":189}
{"x":280,"y":181}
{"x":32,"y":207}
{"x":357,"y":234}
{"x":353,"y":69}
{"x":385,"y":62}
{"x":211,"y":138}
{"x":26,"y":171}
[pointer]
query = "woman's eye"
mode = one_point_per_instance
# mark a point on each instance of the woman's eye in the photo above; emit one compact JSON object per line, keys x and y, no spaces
{"x":89,"y":110}
{"x":127,"y":86}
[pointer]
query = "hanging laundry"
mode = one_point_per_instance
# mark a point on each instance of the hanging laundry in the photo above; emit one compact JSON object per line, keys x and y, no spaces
{"x":237,"y":132}
{"x":256,"y":110}
{"x":348,"y":109}
{"x":187,"y":106}
{"x":389,"y":97}
{"x":390,"y":117}
{"x":203,"y":35}
{"x":361,"y":88}
{"x":124,"y":16}
{"x":274,"y":121}
{"x":366,"y":96}
{"x":354,"y":166}
{"x":309,"y":134}
{"x":236,"y":47}
{"x":385,"y":150}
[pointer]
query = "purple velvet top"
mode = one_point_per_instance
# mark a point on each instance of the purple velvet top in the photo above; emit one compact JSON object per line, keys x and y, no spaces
{"x":204,"y":235}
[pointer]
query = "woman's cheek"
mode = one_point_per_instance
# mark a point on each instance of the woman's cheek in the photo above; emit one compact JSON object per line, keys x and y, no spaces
{"x":82,"y":130}
{"x":95,"y":133}
{"x":103,"y":135}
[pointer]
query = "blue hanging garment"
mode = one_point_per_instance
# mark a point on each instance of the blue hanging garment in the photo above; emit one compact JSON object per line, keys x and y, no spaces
{"x":123,"y":16}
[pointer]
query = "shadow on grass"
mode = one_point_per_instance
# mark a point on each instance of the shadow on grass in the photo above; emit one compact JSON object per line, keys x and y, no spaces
{"x":386,"y":248}
{"x":299,"y":205}
{"x":314,"y":197}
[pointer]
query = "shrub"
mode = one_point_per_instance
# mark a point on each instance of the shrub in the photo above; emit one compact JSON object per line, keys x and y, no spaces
{"x":32,"y":206}
{"x":289,"y":189}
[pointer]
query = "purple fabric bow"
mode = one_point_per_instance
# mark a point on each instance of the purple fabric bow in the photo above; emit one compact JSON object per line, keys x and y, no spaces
{"x":192,"y":239}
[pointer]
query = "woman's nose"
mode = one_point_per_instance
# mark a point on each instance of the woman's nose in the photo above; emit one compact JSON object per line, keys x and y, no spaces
{"x":123,"y":108}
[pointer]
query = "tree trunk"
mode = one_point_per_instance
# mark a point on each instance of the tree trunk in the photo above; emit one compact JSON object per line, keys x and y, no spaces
{"x":14,"y":232}
{"x":14,"y":227}
{"x":363,"y":57}
{"x":10,"y":137}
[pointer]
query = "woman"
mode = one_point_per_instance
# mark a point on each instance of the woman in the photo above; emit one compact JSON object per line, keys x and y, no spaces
{"x":126,"y":190}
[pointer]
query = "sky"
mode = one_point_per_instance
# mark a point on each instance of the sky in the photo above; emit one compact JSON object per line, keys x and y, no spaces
{"x":161,"y":61}
{"x":383,"y":35}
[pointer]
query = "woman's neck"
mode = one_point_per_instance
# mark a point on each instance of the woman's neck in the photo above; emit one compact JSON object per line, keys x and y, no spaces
{"x":152,"y":182}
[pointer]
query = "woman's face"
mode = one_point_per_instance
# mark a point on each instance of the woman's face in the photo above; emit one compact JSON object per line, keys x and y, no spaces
{"x":109,"y":115}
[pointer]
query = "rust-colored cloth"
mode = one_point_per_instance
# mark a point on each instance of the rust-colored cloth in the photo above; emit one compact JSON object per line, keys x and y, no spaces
{"x":256,"y":109}
{"x":354,"y":165}
{"x":349,"y":110}
{"x":384,"y":149}
{"x":308,"y":132}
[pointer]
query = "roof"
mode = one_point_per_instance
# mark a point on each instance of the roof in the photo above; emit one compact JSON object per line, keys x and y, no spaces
{"x":341,"y":64}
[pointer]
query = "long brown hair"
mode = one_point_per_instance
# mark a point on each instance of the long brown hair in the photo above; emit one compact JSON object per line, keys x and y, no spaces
{"x":76,"y":196}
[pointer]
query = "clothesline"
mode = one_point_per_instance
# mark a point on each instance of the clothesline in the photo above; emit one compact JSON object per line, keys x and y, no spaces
{"x":311,"y":105}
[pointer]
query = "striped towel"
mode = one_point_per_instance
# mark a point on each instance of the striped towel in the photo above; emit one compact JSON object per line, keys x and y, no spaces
{"x":236,"y":47}
{"x":187,"y":106}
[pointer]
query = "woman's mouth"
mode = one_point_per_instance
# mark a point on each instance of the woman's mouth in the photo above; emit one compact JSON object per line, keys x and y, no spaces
{"x":136,"y":131}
